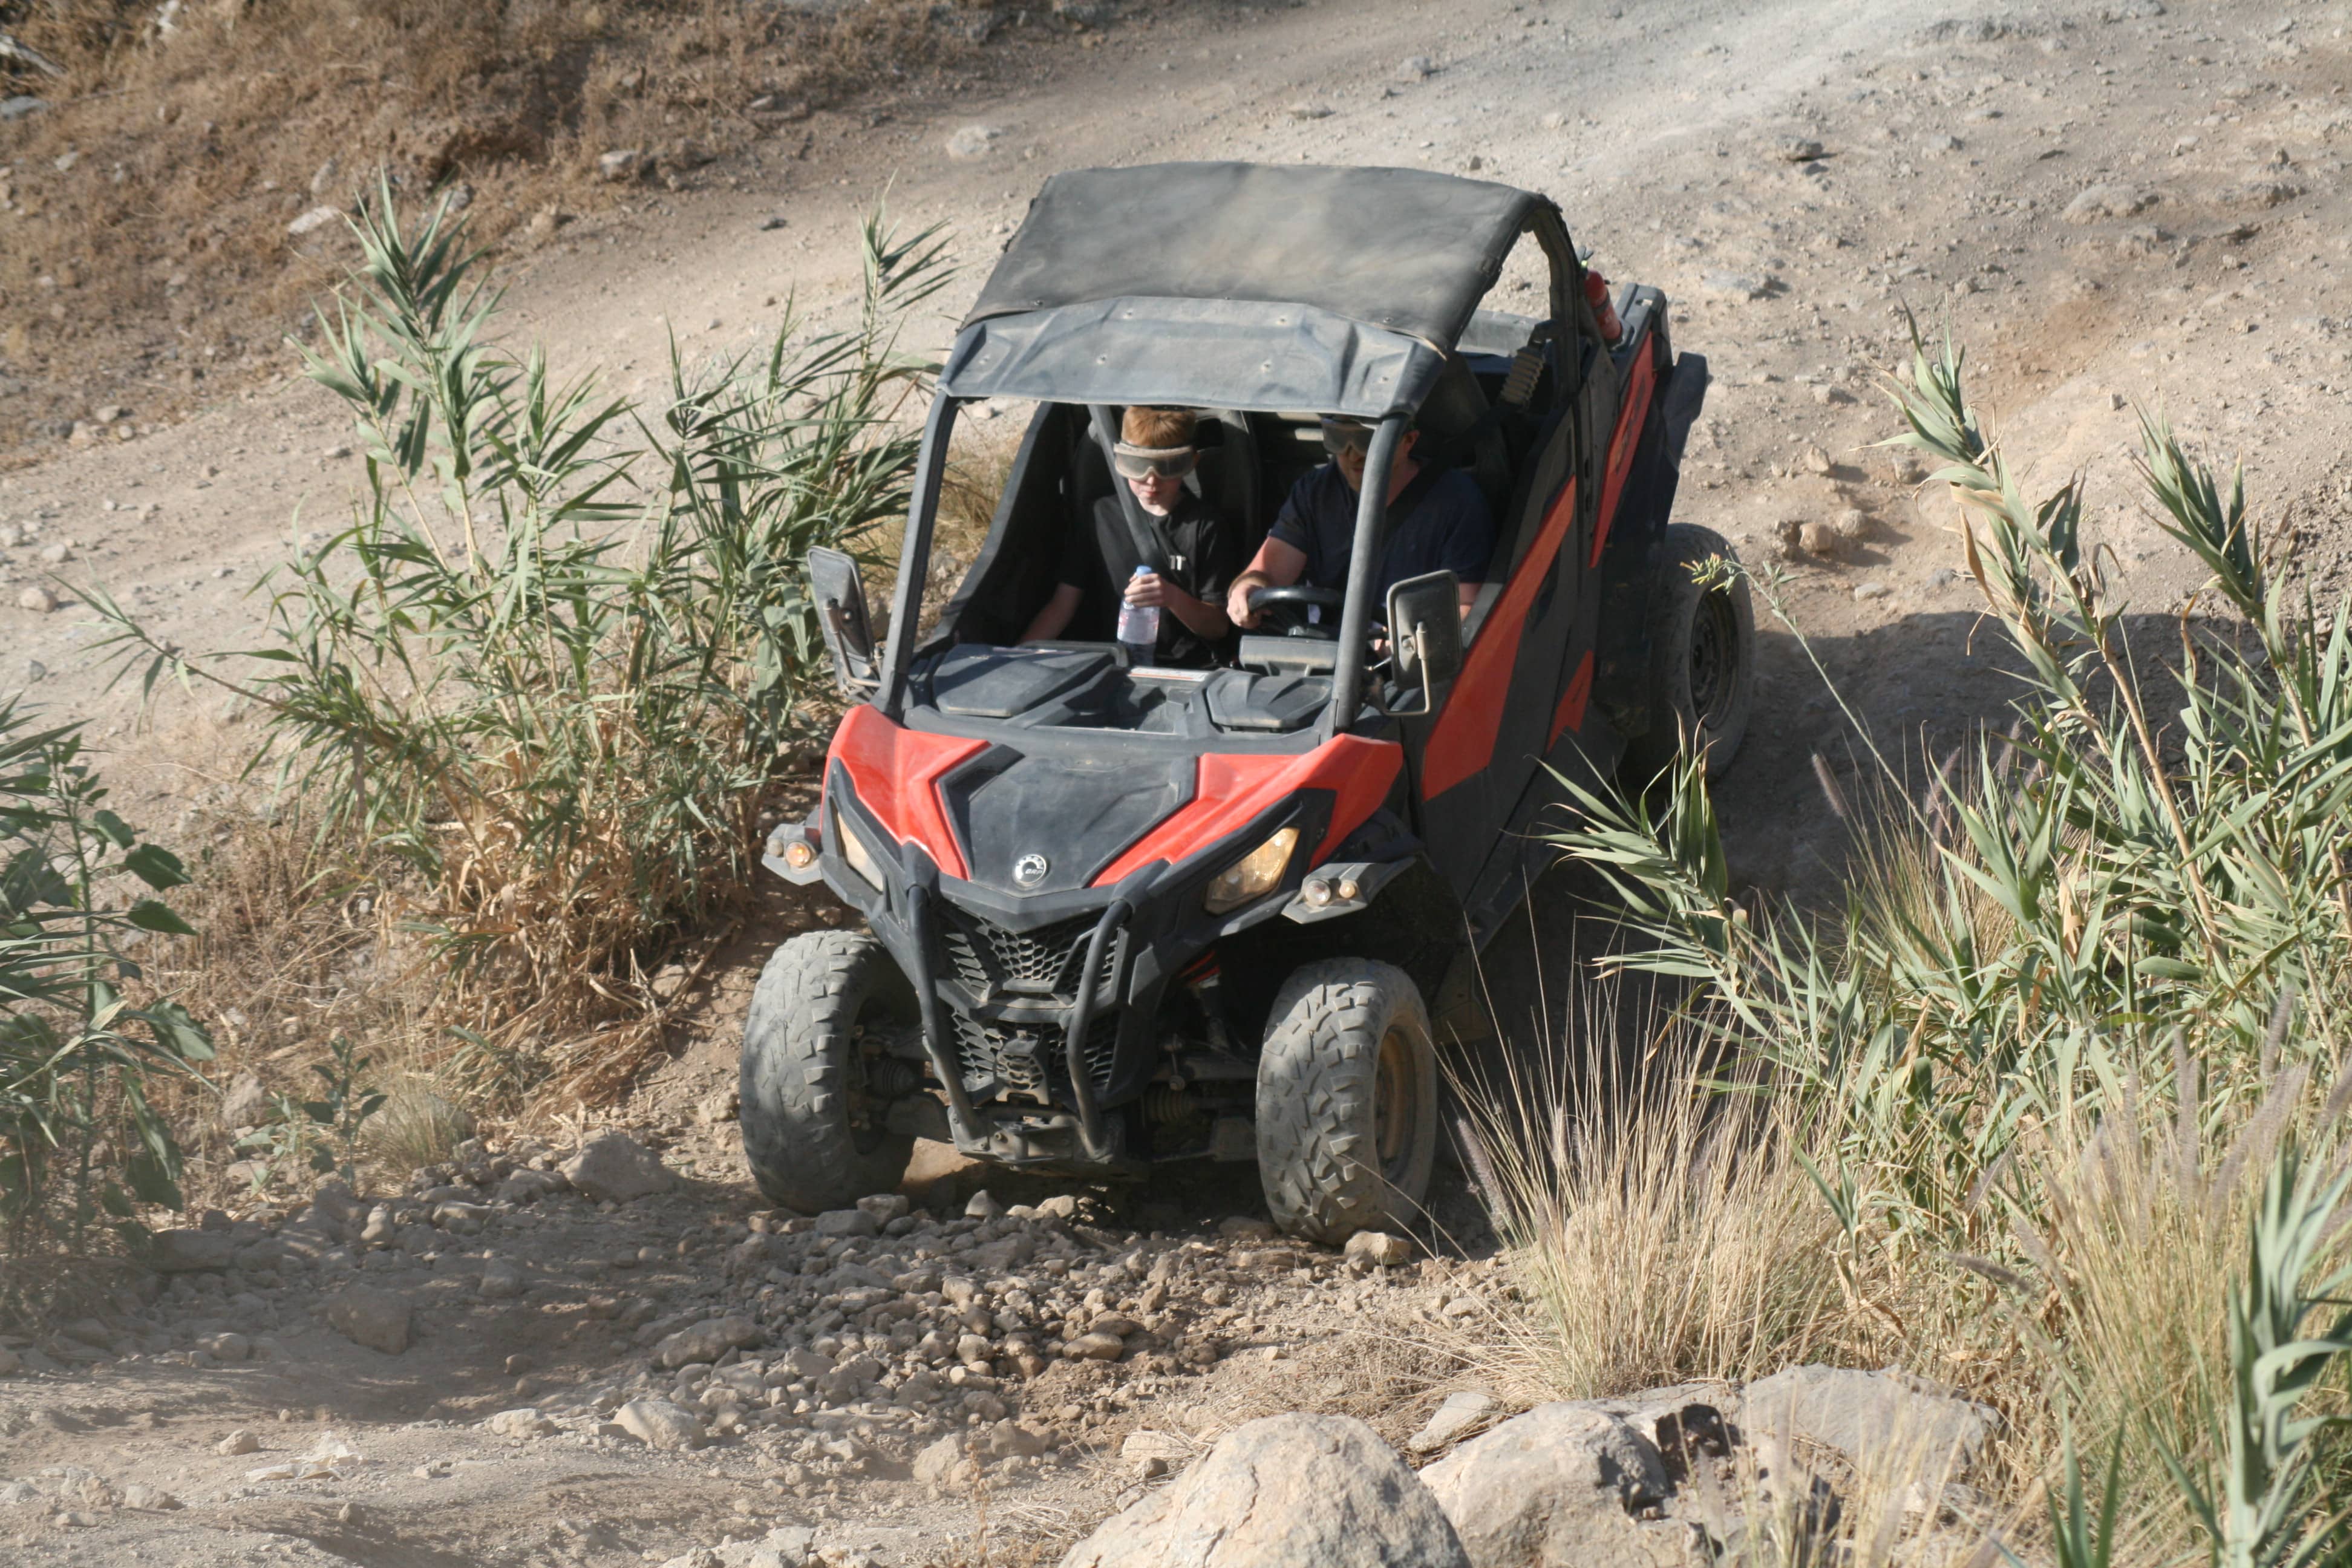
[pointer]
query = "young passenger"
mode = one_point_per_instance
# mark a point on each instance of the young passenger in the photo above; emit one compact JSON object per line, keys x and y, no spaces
{"x":1444,"y":526}
{"x":1193,"y":551}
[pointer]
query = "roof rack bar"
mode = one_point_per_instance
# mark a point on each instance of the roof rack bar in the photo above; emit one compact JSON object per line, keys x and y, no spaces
{"x":1363,"y":558}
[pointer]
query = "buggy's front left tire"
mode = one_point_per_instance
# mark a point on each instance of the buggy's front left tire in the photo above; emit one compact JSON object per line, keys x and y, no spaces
{"x":1702,"y":673}
{"x":1346,"y":1100}
{"x":813,"y":1133}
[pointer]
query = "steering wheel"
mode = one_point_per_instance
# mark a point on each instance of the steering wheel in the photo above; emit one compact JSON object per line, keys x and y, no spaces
{"x":1287,"y":607}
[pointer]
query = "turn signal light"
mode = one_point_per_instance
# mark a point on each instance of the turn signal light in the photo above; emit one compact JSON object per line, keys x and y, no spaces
{"x":799,"y":854}
{"x":1252,"y":876}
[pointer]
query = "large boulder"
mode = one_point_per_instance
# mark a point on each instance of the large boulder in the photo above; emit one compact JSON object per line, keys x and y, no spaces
{"x":1288,"y":1492}
{"x":372,"y":1317}
{"x":1560,"y":1487}
{"x":1873,"y":1419}
{"x":613,"y":1167}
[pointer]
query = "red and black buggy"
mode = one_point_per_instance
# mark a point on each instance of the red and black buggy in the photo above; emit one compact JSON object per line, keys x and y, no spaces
{"x":1119,"y":916}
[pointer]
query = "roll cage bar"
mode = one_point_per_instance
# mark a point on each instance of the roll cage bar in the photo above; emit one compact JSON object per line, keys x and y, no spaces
{"x":1341,"y":713}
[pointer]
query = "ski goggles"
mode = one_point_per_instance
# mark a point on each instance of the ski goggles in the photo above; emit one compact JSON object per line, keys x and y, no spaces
{"x":1147,"y":462}
{"x":1341,"y":435}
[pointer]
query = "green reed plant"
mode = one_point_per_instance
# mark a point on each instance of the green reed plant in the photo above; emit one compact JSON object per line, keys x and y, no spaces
{"x":81,"y":1141}
{"x":2086,"y":982}
{"x":557,"y":660}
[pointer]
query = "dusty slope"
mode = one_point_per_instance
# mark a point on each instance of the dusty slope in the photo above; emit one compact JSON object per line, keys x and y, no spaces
{"x":1951,"y":154}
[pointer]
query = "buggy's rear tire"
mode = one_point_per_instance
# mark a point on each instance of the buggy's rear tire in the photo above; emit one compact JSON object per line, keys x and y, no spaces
{"x":1702,"y":675}
{"x":1346,"y":1100}
{"x":812,"y":1133}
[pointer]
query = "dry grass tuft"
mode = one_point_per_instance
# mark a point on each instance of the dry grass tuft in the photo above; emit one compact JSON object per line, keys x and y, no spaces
{"x":1657,"y":1230}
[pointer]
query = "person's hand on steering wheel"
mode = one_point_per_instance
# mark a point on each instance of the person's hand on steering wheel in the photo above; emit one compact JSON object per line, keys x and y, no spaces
{"x":1289,"y":608}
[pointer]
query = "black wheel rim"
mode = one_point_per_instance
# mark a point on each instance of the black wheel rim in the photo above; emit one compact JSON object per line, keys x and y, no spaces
{"x":1714,"y":657}
{"x":1396,"y":1105}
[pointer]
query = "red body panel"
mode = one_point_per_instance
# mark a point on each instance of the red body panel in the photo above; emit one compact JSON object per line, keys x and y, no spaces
{"x":1231,"y":789}
{"x":896,"y":772}
{"x":1570,"y":714}
{"x":1631,"y":415}
{"x":1462,"y":742}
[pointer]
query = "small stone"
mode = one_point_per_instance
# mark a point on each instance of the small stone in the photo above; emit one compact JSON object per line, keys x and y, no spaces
{"x":1870,"y":591}
{"x":246,"y":1103}
{"x":971,"y":142}
{"x":1117,"y":1324}
{"x":36,"y":598}
{"x":1308,"y":111}
{"x":1416,"y":67}
{"x":17,"y":1494}
{"x":1817,"y":461}
{"x":1095,"y":1347}
{"x":191,"y":1251}
{"x":658,"y":1423}
{"x":148,"y":1499}
{"x":847,"y":1222}
{"x":369,"y":1316}
{"x":1818,"y":539}
{"x":2108,"y":200}
{"x":1941,"y":145}
{"x":974,"y":1347}
{"x":982,"y":1205}
{"x":717,"y":1108}
{"x":1942,"y":577}
{"x":1832,"y":396}
{"x":885,"y":1206}
{"x":226,"y":1347}
{"x":312,"y":221}
{"x":613,"y":1167}
{"x":1553,"y":120}
{"x":1379,"y":1248}
{"x":238,"y":1442}
{"x":1734,"y":285}
{"x":501,"y":1281}
{"x":1797,"y":149}
{"x":706,"y":1342}
{"x":523,"y":1422}
{"x":622,"y":165}
{"x":1457,"y":1415}
{"x":324,"y":180}
{"x":10,"y":1364}
{"x":936,"y":1464}
{"x":1851,"y":523}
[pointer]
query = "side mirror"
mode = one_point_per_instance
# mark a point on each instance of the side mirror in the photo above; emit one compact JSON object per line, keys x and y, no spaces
{"x":842,"y":619}
{"x":1425,"y":630}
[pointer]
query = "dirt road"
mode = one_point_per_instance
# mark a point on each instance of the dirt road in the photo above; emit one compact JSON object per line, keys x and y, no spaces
{"x":2111,"y":201}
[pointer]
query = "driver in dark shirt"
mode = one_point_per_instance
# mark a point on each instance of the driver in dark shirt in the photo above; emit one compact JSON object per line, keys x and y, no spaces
{"x":1444,"y":526}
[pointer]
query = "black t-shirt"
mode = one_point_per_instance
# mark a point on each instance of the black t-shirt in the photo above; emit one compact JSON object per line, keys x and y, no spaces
{"x":1197,"y":551}
{"x":1450,"y":530}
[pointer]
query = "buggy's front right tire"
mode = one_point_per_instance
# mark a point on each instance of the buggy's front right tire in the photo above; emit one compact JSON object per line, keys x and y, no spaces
{"x":1346,"y":1100}
{"x":812,"y":1132}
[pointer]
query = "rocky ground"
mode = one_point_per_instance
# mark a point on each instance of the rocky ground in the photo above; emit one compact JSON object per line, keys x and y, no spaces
{"x":542,"y":1356}
{"x":2112,"y":200}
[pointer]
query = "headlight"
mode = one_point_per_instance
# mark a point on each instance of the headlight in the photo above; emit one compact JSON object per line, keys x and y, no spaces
{"x":854,"y":851}
{"x":1252,"y":876}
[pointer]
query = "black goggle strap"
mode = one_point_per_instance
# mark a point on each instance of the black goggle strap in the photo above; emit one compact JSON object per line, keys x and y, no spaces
{"x":1135,"y":462}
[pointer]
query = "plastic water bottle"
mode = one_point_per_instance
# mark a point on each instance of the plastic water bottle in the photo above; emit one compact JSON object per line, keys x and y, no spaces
{"x":1139,"y":627}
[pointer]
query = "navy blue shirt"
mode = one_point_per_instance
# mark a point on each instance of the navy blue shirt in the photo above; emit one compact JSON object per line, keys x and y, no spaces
{"x":1450,"y":531}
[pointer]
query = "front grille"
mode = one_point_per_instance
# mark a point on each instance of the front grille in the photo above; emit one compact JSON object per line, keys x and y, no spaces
{"x":985,"y":958}
{"x":1018,"y":1058}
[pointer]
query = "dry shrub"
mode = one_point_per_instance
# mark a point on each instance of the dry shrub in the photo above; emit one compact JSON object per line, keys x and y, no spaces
{"x":170,"y":273}
{"x":414,"y":1128}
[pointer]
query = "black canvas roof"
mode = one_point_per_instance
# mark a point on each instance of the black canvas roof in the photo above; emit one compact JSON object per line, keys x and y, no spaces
{"x":1238,"y":286}
{"x":1401,"y":248}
